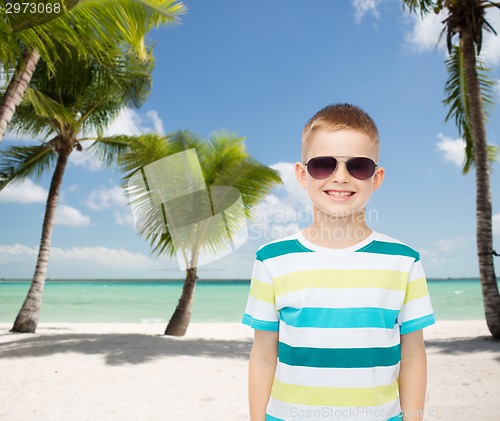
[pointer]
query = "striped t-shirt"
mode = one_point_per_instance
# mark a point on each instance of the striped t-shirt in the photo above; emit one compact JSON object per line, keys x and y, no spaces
{"x":339,"y":314}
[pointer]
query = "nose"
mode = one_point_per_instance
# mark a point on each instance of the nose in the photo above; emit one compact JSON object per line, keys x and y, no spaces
{"x":340,"y":175}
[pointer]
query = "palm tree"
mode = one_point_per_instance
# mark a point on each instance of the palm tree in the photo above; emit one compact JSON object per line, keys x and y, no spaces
{"x":469,"y":93}
{"x":83,"y":97}
{"x":91,"y":28}
{"x":224,"y":162}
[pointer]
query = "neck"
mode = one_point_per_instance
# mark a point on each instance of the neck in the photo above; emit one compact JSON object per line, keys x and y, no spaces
{"x":337,"y":231}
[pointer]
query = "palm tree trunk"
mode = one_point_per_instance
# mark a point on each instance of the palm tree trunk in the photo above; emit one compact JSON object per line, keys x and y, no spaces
{"x":484,"y":237}
{"x":178,"y":324}
{"x":16,"y":89}
{"x":29,"y":314}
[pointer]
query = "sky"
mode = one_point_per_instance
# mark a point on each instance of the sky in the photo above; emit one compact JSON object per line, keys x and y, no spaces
{"x":261,"y":69}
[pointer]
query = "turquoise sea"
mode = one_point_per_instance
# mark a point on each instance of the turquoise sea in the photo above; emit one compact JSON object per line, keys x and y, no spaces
{"x":112,"y":301}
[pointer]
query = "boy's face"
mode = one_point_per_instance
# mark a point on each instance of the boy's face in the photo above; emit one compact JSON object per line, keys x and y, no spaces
{"x":340,"y":194}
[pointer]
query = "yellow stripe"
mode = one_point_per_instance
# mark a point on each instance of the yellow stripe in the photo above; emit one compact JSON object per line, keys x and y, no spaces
{"x":262,"y":291}
{"x":387,"y":279}
{"x":416,"y":289}
{"x":334,"y":396}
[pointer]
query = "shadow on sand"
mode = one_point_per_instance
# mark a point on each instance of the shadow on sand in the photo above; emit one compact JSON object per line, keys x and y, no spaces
{"x":134,"y":348}
{"x":463,"y":346}
{"x":122,"y":348}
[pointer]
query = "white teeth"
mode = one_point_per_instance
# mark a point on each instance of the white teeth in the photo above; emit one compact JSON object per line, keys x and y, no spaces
{"x":339,"y":194}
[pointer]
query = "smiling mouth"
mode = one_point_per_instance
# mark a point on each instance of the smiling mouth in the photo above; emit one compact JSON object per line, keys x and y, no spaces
{"x":339,"y":193}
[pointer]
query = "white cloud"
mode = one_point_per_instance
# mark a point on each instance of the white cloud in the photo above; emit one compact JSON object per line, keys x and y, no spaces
{"x":362,"y":7}
{"x":497,"y":89}
{"x":295,"y":195}
{"x":27,"y":192}
{"x":73,"y":188}
{"x":451,"y":244}
{"x":79,"y":256}
{"x":16,"y":252}
{"x":116,"y":198}
{"x":112,"y":198}
{"x":85,"y":159}
{"x":434,"y":260}
{"x":425,"y":32}
{"x":157,"y":122}
{"x":102,"y":256}
{"x":70,"y":217}
{"x":282,"y":212}
{"x":491,"y":43}
{"x":453,"y":149}
{"x":106,"y":198}
{"x":273,"y":219}
{"x":129,"y":122}
{"x":496,"y":223}
{"x":424,"y":35}
{"x":124,"y":217}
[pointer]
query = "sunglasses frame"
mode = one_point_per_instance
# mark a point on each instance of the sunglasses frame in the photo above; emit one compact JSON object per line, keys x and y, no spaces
{"x":345,"y":161}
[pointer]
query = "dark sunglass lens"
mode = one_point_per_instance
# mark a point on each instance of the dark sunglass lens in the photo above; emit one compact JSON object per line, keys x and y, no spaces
{"x":361,"y":168}
{"x":321,"y":166}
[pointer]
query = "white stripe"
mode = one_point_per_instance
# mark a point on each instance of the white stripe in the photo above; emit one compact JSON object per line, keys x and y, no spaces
{"x":417,"y":272}
{"x":336,"y":377}
{"x":261,"y":273}
{"x":338,"y":338}
{"x":342,"y":298}
{"x":289,"y":263}
{"x":293,"y":412}
{"x":261,"y":310}
{"x":415,"y":309}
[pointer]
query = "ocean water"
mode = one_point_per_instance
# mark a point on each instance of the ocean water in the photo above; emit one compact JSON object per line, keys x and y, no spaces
{"x":109,"y":301}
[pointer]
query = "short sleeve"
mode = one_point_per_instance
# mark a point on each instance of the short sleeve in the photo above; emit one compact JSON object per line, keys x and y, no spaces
{"x":417,"y":311}
{"x":260,"y":311}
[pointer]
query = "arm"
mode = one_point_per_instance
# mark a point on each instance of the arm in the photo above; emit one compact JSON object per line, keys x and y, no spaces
{"x":262,"y":366}
{"x":413,"y":376}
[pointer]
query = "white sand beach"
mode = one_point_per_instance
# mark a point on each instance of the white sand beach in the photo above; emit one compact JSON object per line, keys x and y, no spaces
{"x":132,"y":372}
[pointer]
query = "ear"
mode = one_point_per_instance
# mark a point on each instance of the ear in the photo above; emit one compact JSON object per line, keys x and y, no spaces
{"x":378,"y":178}
{"x":300,"y":173}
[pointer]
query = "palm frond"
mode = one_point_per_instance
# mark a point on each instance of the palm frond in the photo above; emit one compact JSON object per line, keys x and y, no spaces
{"x":24,"y":20}
{"x":458,"y":102}
{"x":109,"y":150}
{"x":99,"y":28}
{"x":470,"y":17}
{"x":252,"y":179}
{"x":227,"y":169}
{"x":224,"y":151}
{"x":118,"y":22}
{"x":145,"y":149}
{"x":20,"y":162}
{"x":26,"y":123}
{"x":421,"y":6}
{"x":83,"y":96}
{"x":44,"y":106}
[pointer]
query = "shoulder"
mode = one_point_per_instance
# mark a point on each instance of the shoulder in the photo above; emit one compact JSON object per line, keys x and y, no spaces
{"x":384,"y":244}
{"x":283,"y":246}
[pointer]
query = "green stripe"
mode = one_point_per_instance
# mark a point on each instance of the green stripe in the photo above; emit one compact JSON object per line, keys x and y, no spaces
{"x":396,"y":249}
{"x":280,"y":248}
{"x":339,"y":357}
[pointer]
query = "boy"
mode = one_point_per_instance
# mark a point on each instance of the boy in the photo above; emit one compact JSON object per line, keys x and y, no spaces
{"x":338,"y":309}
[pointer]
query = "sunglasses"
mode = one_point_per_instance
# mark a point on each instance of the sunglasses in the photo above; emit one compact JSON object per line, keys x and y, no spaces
{"x":322,"y":166}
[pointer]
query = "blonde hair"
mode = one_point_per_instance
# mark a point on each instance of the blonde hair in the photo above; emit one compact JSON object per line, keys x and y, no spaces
{"x":339,"y":117}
